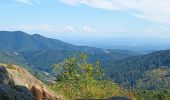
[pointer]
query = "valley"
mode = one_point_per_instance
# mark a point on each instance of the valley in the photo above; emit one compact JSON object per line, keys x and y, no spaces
{"x":129,"y":69}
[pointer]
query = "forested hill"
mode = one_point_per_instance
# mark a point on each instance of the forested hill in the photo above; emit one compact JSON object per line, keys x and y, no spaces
{"x":23,"y":42}
{"x":40,"y":52}
{"x":20,"y":41}
{"x":127,"y":71}
{"x":43,"y":60}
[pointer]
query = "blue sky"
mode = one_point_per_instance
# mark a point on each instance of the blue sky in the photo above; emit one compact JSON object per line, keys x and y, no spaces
{"x":83,"y":19}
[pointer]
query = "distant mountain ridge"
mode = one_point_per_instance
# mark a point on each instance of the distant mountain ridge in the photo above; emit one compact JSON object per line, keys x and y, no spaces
{"x":22,"y":42}
{"x":40,"y":52}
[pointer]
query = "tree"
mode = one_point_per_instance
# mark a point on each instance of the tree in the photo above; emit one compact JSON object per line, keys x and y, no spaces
{"x":76,"y":78}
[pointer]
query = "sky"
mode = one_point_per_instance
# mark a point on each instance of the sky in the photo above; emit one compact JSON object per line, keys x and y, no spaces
{"x":76,"y":20}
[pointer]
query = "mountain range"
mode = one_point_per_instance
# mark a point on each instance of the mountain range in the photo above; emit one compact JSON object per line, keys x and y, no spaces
{"x":19,"y":41}
{"x":37,"y":52}
{"x":40,"y":52}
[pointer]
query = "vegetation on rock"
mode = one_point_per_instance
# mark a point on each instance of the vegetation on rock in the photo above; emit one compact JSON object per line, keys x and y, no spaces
{"x":16,"y":83}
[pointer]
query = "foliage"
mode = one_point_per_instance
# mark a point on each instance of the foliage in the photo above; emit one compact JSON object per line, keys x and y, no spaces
{"x":11,"y":58}
{"x":9,"y":66}
{"x":42,"y":60}
{"x":156,"y":79}
{"x":154,"y":95}
{"x":78,"y":79}
{"x":37,"y":51}
{"x":128,"y":70}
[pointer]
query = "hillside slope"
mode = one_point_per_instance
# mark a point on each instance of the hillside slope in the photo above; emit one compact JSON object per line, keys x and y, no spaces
{"x":12,"y":58}
{"x":44,"y":59}
{"x":156,"y":79}
{"x":19,"y":41}
{"x":40,"y":52}
{"x":128,"y":70}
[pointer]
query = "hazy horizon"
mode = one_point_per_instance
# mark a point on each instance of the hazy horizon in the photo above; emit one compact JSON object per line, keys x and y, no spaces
{"x":99,"y":23}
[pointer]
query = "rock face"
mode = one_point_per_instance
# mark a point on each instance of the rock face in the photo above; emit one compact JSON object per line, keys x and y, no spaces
{"x":16,"y":83}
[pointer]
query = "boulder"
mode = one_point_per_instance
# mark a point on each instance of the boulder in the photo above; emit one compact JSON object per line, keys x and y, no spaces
{"x":16,"y":83}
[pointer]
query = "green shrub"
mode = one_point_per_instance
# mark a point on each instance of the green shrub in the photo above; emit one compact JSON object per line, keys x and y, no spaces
{"x":10,"y":66}
{"x":78,"y":79}
{"x":154,"y":95}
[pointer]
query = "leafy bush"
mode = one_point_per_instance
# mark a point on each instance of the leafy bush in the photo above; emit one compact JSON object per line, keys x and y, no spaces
{"x":154,"y":95}
{"x":10,"y":66}
{"x":78,"y":79}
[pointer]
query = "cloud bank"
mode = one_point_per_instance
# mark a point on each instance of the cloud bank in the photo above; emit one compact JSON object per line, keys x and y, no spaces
{"x":152,"y":10}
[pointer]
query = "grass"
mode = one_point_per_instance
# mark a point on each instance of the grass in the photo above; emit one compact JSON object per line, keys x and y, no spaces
{"x":10,"y":66}
{"x":89,"y":91}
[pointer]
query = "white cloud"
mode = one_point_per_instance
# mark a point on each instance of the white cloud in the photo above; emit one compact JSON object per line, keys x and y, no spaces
{"x":70,"y":2}
{"x":88,"y":29}
{"x":45,"y":28}
{"x":70,"y":29}
{"x":30,"y":28}
{"x":28,"y":2}
{"x":153,"y":10}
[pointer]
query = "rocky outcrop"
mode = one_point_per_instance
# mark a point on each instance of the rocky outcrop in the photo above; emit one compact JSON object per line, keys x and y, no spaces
{"x":16,"y":83}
